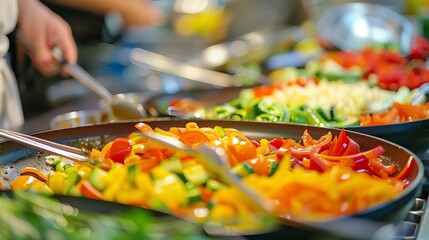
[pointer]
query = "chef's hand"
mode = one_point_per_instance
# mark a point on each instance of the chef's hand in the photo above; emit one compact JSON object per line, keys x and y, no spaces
{"x":45,"y":30}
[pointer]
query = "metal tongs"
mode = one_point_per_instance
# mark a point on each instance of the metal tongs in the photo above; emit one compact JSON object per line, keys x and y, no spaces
{"x":62,"y":150}
{"x":420,"y":94}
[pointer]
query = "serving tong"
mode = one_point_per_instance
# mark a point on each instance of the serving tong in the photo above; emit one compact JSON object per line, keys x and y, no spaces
{"x":420,"y":95}
{"x":216,"y":162}
{"x":62,"y":150}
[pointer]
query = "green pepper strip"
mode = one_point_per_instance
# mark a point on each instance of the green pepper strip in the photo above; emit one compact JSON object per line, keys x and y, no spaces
{"x":298,"y":116}
{"x":264,"y":117}
{"x":223,"y":112}
{"x":269,"y":107}
{"x":239,"y":114}
{"x":314,"y":118}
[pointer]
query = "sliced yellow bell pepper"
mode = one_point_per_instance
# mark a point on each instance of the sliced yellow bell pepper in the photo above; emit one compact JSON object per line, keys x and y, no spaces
{"x":56,"y":182}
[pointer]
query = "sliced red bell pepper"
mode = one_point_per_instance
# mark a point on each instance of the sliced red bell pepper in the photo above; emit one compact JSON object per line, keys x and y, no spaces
{"x":151,"y":158}
{"x":295,"y":149}
{"x":352,"y":148}
{"x":277,"y":143}
{"x":359,"y":161}
{"x":319,"y":164}
{"x":372,"y":153}
{"x":381,"y":170}
{"x":120,"y":149}
{"x":323,"y":143}
{"x":339,"y":144}
{"x":206,"y":194}
{"x":343,"y":145}
{"x":406,"y":170}
{"x":89,"y":191}
{"x":261,"y":91}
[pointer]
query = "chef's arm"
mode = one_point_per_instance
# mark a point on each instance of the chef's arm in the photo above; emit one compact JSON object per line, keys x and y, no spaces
{"x":133,"y":12}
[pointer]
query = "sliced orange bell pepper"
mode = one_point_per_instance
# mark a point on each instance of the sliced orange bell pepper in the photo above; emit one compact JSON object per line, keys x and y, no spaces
{"x":143,"y":127}
{"x":89,"y":191}
{"x":193,"y":138}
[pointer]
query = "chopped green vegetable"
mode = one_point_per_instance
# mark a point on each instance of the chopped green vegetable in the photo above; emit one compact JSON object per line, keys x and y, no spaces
{"x":242,"y":169}
{"x":196,"y":174}
{"x":96,"y":178}
{"x":172,"y":164}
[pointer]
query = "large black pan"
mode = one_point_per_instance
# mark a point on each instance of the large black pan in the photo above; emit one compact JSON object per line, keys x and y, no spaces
{"x":14,"y":156}
{"x":412,"y":135}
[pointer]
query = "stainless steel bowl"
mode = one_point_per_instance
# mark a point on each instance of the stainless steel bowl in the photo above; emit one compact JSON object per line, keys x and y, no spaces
{"x":98,"y":115}
{"x":80,"y":118}
{"x":353,"y":26}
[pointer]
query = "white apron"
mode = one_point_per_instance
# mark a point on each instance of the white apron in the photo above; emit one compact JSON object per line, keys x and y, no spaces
{"x":11,"y":114}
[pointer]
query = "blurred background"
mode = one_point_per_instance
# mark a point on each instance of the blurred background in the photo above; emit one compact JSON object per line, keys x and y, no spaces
{"x":188,"y":30}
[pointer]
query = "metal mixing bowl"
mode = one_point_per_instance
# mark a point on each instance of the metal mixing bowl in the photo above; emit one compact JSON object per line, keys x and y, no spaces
{"x":353,"y":26}
{"x":80,"y":118}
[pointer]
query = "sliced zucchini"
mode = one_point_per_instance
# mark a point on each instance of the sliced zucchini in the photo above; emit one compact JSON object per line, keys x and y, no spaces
{"x":242,"y":169}
{"x":132,"y":172}
{"x":96,"y":178}
{"x":172,"y":164}
{"x":214,"y":185}
{"x":193,"y":193}
{"x":71,"y":179}
{"x":196,"y":174}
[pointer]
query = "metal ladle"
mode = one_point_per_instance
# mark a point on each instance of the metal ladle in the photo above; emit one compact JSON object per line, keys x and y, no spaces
{"x":122,"y":108}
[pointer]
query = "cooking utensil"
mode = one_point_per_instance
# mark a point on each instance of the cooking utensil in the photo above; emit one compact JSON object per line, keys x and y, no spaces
{"x":420,"y":94}
{"x":121,"y":108}
{"x":144,"y":58}
{"x":418,"y":97}
{"x":352,"y":26}
{"x":98,"y":115}
{"x":180,"y":113}
{"x":66,"y":151}
{"x":251,"y":47}
{"x":15,"y":156}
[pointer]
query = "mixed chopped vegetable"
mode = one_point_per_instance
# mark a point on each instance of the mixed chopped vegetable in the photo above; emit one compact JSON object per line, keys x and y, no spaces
{"x":338,"y":89}
{"x":136,"y":171}
{"x":388,"y":69}
{"x":306,"y":101}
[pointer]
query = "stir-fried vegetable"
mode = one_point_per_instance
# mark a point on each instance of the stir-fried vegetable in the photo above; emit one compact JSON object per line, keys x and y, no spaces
{"x":322,"y":103}
{"x":388,"y":68}
{"x":345,"y":83}
{"x":140,"y":172}
{"x":397,"y":114}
